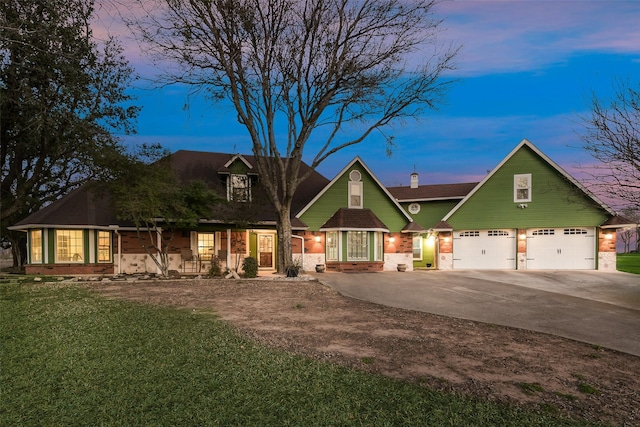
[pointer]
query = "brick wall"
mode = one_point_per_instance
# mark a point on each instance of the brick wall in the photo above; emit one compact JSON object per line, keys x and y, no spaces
{"x":355,"y":267}
{"x":69,"y":269}
{"x":607,"y":240}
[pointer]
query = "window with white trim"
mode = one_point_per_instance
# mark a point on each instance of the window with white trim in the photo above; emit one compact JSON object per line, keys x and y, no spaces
{"x":104,"y":246}
{"x":357,"y":246}
{"x":69,"y":245}
{"x":522,"y":188}
{"x":35,"y":246}
{"x":238,"y":188}
{"x":332,"y":246}
{"x":355,"y":189}
{"x":379,"y":246}
{"x":417,"y":247}
{"x":206,"y":245}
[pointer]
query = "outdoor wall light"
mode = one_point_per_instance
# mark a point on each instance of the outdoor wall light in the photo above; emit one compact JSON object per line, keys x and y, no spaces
{"x":608,"y":236}
{"x":392,"y":239}
{"x":446,"y":239}
{"x":522,"y":236}
{"x":317,"y":239}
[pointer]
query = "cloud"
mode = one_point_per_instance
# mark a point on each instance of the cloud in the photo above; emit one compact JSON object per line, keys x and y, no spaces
{"x":500,"y":36}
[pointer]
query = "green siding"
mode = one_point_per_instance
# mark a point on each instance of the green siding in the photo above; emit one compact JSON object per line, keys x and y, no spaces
{"x":374,"y":198}
{"x":431,"y":213}
{"x":555,"y":202}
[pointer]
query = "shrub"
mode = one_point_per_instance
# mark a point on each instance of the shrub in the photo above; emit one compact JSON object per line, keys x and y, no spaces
{"x":250,"y":267}
{"x":215,"y":269}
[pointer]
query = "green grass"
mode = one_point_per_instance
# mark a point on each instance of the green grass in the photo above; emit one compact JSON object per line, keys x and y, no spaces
{"x":69,"y":357}
{"x":629,"y":263}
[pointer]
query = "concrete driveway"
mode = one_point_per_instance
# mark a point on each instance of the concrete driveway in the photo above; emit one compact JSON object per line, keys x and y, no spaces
{"x":589,"y":306}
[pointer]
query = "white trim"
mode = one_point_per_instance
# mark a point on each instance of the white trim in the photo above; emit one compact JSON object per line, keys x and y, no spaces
{"x":384,"y":230}
{"x":238,"y":156}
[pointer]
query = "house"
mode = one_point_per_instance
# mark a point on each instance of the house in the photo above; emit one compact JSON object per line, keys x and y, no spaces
{"x":526,"y":214}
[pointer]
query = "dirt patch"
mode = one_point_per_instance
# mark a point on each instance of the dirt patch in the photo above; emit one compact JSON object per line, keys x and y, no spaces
{"x":475,"y":359}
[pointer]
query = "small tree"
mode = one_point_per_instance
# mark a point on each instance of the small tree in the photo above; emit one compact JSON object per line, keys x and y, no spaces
{"x":152,"y":197}
{"x":612,"y":136}
{"x":335,"y":69}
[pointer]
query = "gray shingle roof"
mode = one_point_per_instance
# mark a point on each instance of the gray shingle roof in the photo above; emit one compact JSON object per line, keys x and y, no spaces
{"x":432,"y":191}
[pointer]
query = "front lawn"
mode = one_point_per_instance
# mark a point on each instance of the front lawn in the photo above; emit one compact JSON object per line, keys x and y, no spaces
{"x":69,"y":357}
{"x":629,"y":263}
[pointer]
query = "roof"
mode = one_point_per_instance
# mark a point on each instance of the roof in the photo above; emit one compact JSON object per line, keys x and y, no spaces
{"x":618,"y":221}
{"x":354,"y":219}
{"x":84,"y":207}
{"x":432,"y":192}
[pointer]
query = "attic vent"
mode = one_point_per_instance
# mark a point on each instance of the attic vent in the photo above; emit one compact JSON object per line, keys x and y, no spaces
{"x":355,"y":175}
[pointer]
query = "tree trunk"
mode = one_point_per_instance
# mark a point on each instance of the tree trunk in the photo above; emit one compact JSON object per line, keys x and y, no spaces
{"x":285,"y":258}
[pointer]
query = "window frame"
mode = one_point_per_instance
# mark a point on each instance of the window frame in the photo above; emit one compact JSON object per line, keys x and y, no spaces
{"x":36,"y":248}
{"x":102,"y":248}
{"x":202,"y":250}
{"x":332,"y":246}
{"x":413,"y":245}
{"x":238,"y":193}
{"x":521,"y":182}
{"x":72,"y":234}
{"x":358,"y":245}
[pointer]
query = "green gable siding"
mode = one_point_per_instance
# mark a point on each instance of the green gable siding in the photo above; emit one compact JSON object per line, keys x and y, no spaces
{"x":432,"y":213}
{"x":336,"y":196}
{"x":555,"y":202}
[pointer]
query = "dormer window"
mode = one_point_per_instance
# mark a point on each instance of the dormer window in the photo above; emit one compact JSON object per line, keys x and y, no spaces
{"x":238,"y":188}
{"x":522,"y":188}
{"x":355,"y":189}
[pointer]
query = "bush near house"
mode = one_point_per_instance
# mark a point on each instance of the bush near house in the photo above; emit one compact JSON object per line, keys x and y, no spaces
{"x":629,"y":263}
{"x":70,"y":357}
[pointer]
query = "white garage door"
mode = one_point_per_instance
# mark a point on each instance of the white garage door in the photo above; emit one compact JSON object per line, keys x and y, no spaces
{"x":561,"y":249}
{"x":484,"y":249}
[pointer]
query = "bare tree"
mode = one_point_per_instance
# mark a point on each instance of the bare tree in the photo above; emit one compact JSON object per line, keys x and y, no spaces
{"x":335,"y":69}
{"x":612,"y":135}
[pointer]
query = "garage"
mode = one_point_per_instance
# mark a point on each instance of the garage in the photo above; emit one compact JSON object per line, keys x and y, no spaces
{"x":561,"y":248}
{"x":484,"y":249}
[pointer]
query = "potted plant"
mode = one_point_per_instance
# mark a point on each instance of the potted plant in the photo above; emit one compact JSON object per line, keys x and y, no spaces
{"x":320,"y":268}
{"x":402,"y":267}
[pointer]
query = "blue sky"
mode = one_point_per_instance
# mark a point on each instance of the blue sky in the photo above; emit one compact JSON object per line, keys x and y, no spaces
{"x":526,"y":70}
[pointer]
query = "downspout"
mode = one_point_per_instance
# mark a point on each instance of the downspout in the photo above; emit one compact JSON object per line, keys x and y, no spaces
{"x":302,"y":245}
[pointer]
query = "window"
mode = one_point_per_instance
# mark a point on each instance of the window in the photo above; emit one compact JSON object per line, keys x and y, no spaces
{"x":498,"y":233}
{"x":238,"y":188}
{"x":379,"y":245}
{"x":357,"y":246}
{"x":332,"y":246}
{"x":544,"y":232}
{"x":474,"y":233}
{"x":575,"y":231}
{"x":355,"y":189}
{"x":69,"y":246}
{"x":35,"y":246}
{"x":417,"y":247}
{"x":104,"y":246}
{"x":206,"y":243}
{"x":522,"y":188}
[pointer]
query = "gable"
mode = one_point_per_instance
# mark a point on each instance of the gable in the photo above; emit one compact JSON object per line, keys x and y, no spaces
{"x":336,"y":196}
{"x":555,"y":199}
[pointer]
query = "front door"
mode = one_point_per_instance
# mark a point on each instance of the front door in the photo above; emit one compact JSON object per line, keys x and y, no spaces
{"x":265,"y":250}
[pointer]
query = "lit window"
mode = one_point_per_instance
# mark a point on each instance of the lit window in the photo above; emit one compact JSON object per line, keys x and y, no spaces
{"x":35,"y":246}
{"x":357,"y":246}
{"x":206,"y":245}
{"x":417,"y":247}
{"x":104,"y":246}
{"x":355,"y":194}
{"x":238,"y":188}
{"x":332,"y":246}
{"x":522,"y":188}
{"x":69,"y":246}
